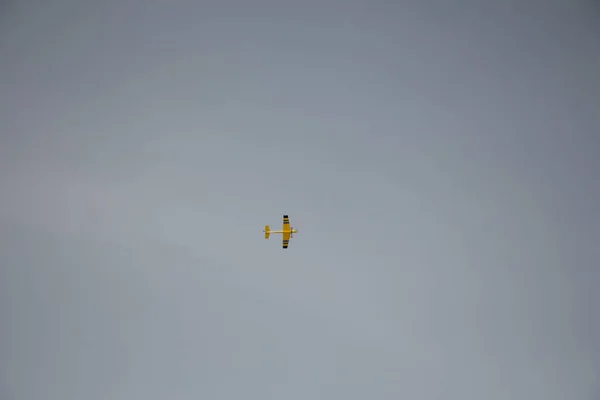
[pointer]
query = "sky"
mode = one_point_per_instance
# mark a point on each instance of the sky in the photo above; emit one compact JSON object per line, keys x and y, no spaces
{"x":439,"y":159}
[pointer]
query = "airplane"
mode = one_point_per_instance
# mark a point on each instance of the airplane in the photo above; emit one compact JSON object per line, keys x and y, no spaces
{"x":287,"y":231}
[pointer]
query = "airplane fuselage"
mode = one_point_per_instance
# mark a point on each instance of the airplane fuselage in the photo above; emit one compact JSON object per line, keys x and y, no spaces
{"x":290,"y":231}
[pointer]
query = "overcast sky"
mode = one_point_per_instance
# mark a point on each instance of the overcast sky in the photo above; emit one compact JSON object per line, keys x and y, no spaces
{"x":439,"y":158}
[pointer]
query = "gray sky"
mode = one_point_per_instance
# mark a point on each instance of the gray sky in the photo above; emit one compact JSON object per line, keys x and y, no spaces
{"x":440,"y":160}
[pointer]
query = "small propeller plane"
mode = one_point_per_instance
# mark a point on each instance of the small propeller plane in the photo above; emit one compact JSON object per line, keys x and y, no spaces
{"x":287,"y":231}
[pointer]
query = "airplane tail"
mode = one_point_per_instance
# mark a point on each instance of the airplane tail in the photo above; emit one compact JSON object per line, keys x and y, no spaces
{"x":267,"y":231}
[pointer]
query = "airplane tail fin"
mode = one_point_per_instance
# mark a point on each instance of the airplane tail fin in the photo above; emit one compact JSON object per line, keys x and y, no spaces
{"x":267,"y":231}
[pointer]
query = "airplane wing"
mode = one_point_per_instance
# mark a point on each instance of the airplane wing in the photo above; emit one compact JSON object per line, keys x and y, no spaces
{"x":286,"y":231}
{"x":286,"y":223}
{"x":286,"y":239}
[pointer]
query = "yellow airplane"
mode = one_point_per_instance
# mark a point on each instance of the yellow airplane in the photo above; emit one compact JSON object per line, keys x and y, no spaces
{"x":287,"y":231}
